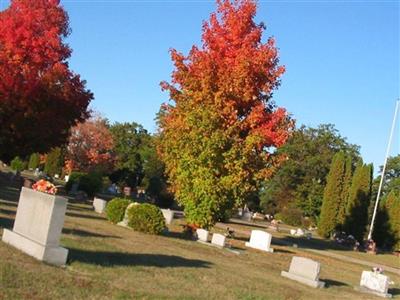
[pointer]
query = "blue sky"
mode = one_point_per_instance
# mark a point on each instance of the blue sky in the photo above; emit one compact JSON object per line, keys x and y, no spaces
{"x":342,"y":59}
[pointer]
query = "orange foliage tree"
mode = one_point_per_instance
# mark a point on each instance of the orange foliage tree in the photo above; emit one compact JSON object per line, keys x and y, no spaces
{"x":90,"y":147}
{"x":218,"y":136}
{"x":40,"y":98}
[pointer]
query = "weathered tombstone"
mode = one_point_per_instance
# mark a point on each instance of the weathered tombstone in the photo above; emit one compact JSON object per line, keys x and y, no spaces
{"x":38,"y":225}
{"x":168,"y":215}
{"x":202,"y":235}
{"x":375,"y":283}
{"x":260,"y":240}
{"x":99,"y":205}
{"x":66,"y":178}
{"x":299,"y":232}
{"x":293,"y":231}
{"x":124,"y":222}
{"x":218,"y":240}
{"x":304,"y":270}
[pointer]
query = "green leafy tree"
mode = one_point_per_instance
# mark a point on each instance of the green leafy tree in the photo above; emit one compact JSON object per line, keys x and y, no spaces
{"x":332,"y":200}
{"x":347,"y":184}
{"x":358,"y":201}
{"x":130,"y":139}
{"x":17,"y":164}
{"x":34,"y":161}
{"x":301,"y":178}
{"x":218,"y":136}
{"x":54,"y":162}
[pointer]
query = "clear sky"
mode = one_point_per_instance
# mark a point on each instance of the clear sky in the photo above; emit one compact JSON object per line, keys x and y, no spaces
{"x":342,"y":59}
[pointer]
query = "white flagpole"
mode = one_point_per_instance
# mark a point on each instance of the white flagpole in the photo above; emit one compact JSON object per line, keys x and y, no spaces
{"x":371,"y":228}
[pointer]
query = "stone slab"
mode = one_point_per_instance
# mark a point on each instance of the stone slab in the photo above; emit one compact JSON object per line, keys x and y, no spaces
{"x":38,"y":225}
{"x":202,"y":235}
{"x":218,"y":240}
{"x":366,"y":290}
{"x":260,"y":240}
{"x":305,"y":267}
{"x":375,"y":282}
{"x":99,"y":205}
{"x":306,"y":281}
{"x":50,"y":254}
{"x":168,"y":215}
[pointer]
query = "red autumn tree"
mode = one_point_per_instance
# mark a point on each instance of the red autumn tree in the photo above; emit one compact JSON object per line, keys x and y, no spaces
{"x":217,"y":137}
{"x":40,"y":98}
{"x":90,"y":147}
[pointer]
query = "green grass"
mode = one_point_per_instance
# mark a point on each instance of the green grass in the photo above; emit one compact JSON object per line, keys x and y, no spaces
{"x":110,"y":262}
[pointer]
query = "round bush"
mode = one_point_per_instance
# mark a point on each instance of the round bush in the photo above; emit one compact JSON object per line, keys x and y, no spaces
{"x":146,"y":218}
{"x":115,"y":209}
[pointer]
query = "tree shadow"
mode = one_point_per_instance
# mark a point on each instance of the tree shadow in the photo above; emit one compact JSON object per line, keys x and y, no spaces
{"x":6,"y":223}
{"x":177,"y":235}
{"x":75,"y":215}
{"x":245,"y":224}
{"x":7,"y":212}
{"x":129,"y":259}
{"x":317,"y":244}
{"x":329,"y":283}
{"x":85,"y":233}
{"x":276,"y":250}
{"x":77,"y":208}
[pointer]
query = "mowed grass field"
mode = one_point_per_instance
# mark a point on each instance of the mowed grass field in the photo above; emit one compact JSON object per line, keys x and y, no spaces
{"x":110,"y":262}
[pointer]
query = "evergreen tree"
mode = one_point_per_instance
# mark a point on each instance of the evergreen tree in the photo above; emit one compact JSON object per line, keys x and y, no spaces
{"x":347,"y":180}
{"x":358,"y":201}
{"x":332,"y":199}
{"x":387,"y":227}
{"x":34,"y":161}
{"x":54,"y":162}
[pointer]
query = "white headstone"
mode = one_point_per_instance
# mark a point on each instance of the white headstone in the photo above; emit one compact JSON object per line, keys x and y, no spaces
{"x":218,"y":240}
{"x":202,"y":235}
{"x":299,"y":232}
{"x":124,"y":222}
{"x":260,"y":240}
{"x":38,"y":225}
{"x":99,"y":205}
{"x":293,"y":231}
{"x":168,"y":215}
{"x":304,"y":270}
{"x":375,"y":282}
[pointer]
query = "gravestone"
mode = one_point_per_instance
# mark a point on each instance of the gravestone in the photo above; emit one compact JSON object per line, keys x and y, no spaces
{"x":260,"y":240}
{"x":99,"y":205}
{"x":38,"y":225}
{"x":124,"y":222}
{"x":168,"y":215}
{"x":218,"y":240}
{"x":375,"y":283}
{"x":304,"y":270}
{"x":202,"y":235}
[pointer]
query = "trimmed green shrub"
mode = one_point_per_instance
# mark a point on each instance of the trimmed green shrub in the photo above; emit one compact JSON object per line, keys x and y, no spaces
{"x":115,"y":209}
{"x":34,"y":161}
{"x":146,"y":218}
{"x":17,"y":164}
{"x":290,"y":216}
{"x":89,"y":183}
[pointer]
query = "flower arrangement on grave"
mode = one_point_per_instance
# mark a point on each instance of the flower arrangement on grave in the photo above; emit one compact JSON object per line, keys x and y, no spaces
{"x":44,"y":186}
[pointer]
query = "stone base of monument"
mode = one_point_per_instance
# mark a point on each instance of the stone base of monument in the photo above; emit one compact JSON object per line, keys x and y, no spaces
{"x":50,"y":254}
{"x":38,"y":225}
{"x":304,"y":270}
{"x":369,"y":291}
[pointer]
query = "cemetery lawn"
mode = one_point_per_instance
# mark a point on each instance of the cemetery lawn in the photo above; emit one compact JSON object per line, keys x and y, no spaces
{"x":110,"y":262}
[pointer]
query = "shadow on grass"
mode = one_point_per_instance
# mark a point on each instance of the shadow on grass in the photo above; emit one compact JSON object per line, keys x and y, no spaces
{"x":394,"y":291}
{"x":246,"y":224}
{"x":75,"y":215}
{"x":85,"y":233}
{"x":6,"y":223}
{"x":7,"y":212}
{"x":276,"y":250}
{"x":177,"y":235}
{"x":317,"y":244}
{"x":329,"y":283}
{"x":77,"y":208}
{"x":129,"y":259}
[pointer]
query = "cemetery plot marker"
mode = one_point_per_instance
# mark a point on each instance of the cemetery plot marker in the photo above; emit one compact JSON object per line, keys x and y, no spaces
{"x":260,"y":240}
{"x":38,"y":225}
{"x":304,"y":270}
